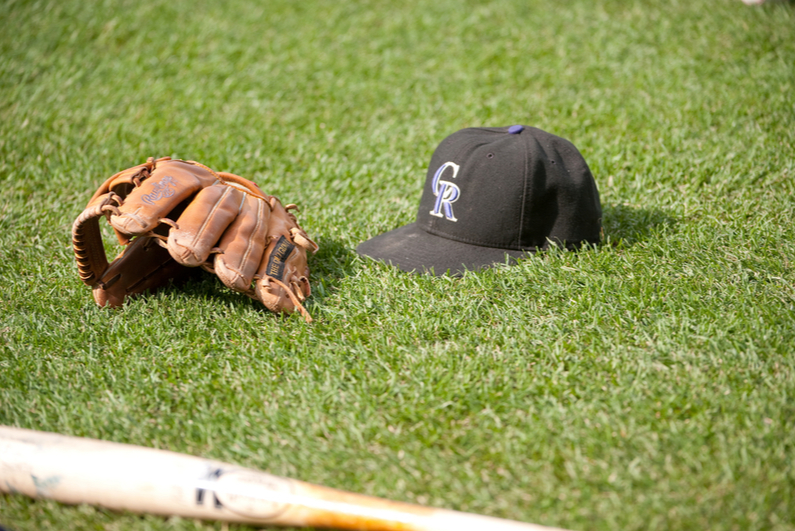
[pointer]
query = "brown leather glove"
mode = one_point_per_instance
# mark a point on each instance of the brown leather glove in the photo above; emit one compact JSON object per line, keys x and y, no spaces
{"x":173,"y":215}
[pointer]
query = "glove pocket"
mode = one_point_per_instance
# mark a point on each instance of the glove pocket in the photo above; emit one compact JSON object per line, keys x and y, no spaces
{"x":142,"y":266}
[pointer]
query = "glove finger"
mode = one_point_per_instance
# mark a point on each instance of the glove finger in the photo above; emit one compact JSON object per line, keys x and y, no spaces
{"x":170,"y":184}
{"x":282,"y":278}
{"x":243,"y":245}
{"x":279,"y":275}
{"x":203,"y":223}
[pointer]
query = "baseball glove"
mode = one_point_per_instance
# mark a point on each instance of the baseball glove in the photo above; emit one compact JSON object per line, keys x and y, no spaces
{"x":174,"y":215}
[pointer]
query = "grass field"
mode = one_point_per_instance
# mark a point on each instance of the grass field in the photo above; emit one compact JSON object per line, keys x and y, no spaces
{"x":646,"y":384}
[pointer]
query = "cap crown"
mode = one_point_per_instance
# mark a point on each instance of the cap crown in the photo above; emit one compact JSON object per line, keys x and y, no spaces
{"x":510,"y":188}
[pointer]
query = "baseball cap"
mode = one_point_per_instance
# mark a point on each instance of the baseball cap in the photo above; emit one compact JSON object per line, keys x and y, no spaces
{"x":491,"y":195}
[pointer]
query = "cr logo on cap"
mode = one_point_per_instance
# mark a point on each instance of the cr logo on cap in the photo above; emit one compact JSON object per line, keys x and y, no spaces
{"x":446,"y":192}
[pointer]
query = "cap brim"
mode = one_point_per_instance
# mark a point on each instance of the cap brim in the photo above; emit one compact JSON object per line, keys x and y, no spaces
{"x":413,"y":250}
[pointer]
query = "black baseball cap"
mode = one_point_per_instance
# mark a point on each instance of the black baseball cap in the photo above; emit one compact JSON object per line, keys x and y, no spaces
{"x":493,"y":194}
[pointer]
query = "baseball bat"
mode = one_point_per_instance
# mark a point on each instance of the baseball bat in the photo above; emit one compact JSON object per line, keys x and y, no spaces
{"x":125,"y":477}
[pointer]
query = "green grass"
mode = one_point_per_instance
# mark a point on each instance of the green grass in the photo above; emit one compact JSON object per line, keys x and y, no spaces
{"x":646,"y":384}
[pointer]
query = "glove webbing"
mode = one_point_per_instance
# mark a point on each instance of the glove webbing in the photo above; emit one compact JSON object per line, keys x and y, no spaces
{"x":87,"y":241}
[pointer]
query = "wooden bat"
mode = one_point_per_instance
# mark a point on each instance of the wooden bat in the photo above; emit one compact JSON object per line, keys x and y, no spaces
{"x":124,"y":477}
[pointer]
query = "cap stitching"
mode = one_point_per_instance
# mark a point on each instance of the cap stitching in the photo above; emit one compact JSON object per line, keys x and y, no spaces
{"x":524,"y":195}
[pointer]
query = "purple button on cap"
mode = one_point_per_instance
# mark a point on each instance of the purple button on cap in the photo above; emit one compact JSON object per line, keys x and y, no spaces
{"x":515,"y":129}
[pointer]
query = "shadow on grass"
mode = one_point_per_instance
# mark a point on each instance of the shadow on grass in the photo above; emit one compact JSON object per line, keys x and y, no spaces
{"x":333,"y":262}
{"x":628,"y":224}
{"x":201,"y":284}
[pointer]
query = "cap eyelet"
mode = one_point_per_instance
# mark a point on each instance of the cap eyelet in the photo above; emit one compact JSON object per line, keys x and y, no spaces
{"x":490,"y":156}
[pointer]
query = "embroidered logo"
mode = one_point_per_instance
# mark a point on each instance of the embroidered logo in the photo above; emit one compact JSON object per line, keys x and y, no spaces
{"x":160,"y":190}
{"x":446,"y":192}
